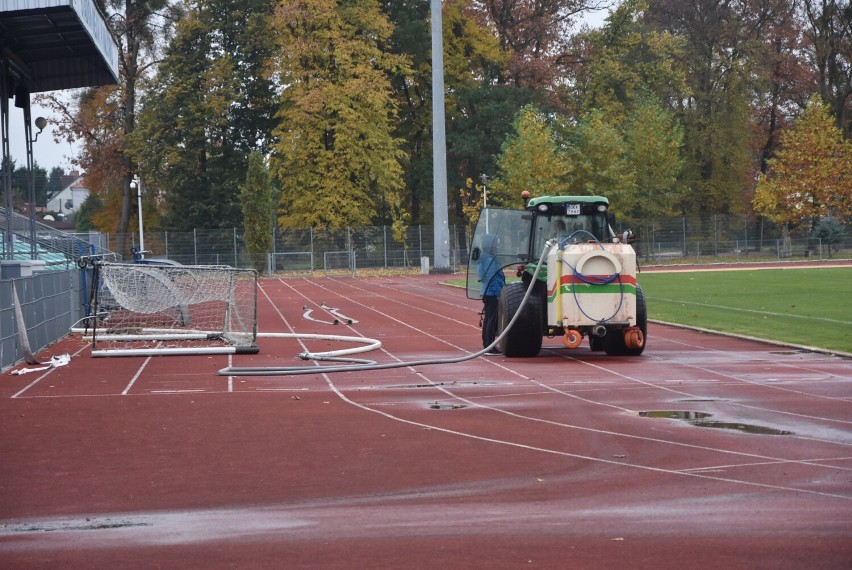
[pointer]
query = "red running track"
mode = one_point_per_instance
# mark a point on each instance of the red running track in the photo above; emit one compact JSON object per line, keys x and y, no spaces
{"x":491,"y":463}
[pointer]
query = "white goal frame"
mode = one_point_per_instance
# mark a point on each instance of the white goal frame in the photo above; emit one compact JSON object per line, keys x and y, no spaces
{"x":144,"y":309}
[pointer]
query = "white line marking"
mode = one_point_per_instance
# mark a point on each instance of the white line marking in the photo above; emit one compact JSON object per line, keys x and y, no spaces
{"x":47,"y":373}
{"x":441,"y":387}
{"x":136,"y":376}
{"x":755,"y":311}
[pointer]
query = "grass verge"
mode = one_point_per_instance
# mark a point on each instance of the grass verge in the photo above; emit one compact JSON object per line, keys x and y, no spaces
{"x":807,"y":306}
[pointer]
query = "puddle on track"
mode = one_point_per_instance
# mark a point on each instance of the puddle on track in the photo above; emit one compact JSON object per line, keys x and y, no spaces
{"x":699,"y":419}
{"x":445,"y":406}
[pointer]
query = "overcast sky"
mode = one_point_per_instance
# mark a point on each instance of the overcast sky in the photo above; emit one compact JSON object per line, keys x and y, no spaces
{"x":48,"y":154}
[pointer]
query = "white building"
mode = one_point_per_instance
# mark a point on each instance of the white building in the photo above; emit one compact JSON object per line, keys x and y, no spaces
{"x":69,"y":200}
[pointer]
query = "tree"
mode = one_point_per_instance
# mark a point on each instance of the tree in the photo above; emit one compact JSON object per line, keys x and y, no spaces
{"x":20,"y":190}
{"x":480,"y":107}
{"x":631,"y":60}
{"x":103,"y":118}
{"x":210,"y":105}
{"x":88,"y":209}
{"x":653,"y":144}
{"x":809,"y":178}
{"x":785,"y":80}
{"x":830,"y":33}
{"x":53,"y":186}
{"x":338,"y":161}
{"x":536,"y":33}
{"x":716,"y":114}
{"x":479,"y":112}
{"x":530,"y":160}
{"x":599,"y":162}
{"x":256,"y":200}
{"x":829,"y":231}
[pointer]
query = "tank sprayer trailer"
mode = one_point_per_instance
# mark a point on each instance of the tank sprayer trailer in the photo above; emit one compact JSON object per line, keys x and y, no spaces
{"x":586,"y":285}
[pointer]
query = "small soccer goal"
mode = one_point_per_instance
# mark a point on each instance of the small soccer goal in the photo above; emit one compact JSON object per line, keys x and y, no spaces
{"x":142,"y":309}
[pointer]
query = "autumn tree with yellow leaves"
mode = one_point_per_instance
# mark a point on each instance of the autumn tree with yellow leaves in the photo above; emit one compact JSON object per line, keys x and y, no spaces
{"x":810,"y":177}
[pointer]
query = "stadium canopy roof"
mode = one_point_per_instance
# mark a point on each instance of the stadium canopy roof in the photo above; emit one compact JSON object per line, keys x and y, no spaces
{"x":56,"y":44}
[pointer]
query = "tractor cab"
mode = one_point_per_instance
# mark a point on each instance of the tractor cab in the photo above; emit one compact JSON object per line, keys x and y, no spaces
{"x":522,"y":234}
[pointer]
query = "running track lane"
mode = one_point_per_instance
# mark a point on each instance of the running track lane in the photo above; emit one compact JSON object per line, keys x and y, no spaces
{"x":490,"y":463}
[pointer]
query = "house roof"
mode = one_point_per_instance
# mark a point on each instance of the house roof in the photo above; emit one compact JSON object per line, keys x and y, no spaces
{"x":57,"y":44}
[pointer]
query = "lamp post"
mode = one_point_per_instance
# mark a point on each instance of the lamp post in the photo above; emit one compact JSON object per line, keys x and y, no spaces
{"x":136,"y":184}
{"x":484,"y":179}
{"x":22,"y":100}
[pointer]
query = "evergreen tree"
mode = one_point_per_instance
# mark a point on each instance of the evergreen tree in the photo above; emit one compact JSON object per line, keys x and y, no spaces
{"x":88,"y":209}
{"x":53,"y":186}
{"x":209,"y":107}
{"x":257,"y":206}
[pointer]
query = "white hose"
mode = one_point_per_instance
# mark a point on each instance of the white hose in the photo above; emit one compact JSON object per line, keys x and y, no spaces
{"x":299,"y":370}
{"x":370,"y":344}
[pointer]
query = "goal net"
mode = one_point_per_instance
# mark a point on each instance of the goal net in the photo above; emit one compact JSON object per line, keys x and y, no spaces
{"x":142,"y":309}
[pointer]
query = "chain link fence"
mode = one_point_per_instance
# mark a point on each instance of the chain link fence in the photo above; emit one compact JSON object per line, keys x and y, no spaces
{"x":662,"y":241}
{"x":52,"y":300}
{"x":50,"y":303}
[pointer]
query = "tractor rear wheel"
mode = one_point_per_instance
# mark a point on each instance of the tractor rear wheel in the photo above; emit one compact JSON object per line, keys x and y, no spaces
{"x":524,"y":338}
{"x":614,"y":341}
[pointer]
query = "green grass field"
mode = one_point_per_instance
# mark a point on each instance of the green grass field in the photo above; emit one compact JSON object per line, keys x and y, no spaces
{"x":806,"y":306}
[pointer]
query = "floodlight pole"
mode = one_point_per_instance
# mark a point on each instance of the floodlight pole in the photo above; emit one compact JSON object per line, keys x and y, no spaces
{"x":441,"y":239}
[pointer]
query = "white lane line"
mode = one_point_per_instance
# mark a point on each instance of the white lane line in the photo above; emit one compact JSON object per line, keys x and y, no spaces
{"x":47,"y":373}
{"x":136,"y":376}
{"x":442,"y":388}
{"x":755,"y":311}
{"x":698,"y":475}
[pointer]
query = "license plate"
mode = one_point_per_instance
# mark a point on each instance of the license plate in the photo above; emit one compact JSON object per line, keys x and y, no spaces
{"x":572,"y":209}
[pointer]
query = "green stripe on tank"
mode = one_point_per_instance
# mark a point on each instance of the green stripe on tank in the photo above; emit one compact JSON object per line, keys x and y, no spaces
{"x":581,"y":289}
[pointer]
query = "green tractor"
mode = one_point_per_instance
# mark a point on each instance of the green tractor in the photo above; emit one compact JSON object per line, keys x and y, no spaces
{"x":586,"y":284}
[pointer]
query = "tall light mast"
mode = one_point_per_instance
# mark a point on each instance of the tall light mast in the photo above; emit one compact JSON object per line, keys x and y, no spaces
{"x":439,"y":145}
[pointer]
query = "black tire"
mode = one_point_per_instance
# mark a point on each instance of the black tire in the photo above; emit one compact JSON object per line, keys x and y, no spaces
{"x":525,"y":336}
{"x":614,"y":340}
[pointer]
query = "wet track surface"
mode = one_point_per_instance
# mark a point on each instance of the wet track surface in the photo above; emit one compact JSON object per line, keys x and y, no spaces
{"x":733,"y":453}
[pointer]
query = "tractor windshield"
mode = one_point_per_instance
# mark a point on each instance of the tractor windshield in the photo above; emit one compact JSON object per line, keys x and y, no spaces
{"x":575,"y":229}
{"x":501,"y":237}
